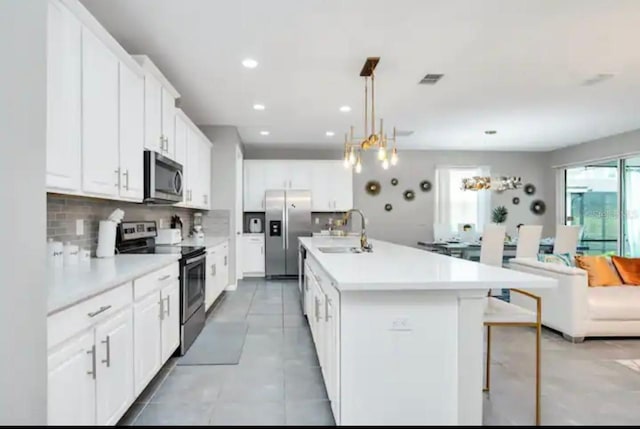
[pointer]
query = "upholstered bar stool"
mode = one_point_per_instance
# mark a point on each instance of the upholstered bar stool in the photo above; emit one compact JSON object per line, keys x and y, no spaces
{"x":501,"y":313}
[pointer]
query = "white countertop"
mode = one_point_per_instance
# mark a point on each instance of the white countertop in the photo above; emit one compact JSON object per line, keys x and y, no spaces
{"x":70,"y":285}
{"x":395,"y":267}
{"x":208,"y":242}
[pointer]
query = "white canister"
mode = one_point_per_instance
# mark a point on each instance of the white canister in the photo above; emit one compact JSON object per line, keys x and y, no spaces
{"x":85,"y":255}
{"x":55,"y":253}
{"x":71,"y":254}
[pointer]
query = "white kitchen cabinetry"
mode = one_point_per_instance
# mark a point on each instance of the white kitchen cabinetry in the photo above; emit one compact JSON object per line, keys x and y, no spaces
{"x":197,"y":169}
{"x":114,"y":367}
{"x":253,"y":263}
{"x":131,"y":134}
{"x":217,"y":273}
{"x":181,"y":137}
{"x":160,"y":109}
{"x":170,"y":296}
{"x":147,"y":340}
{"x":331,"y":185}
{"x":100,"y":161}
{"x":64,"y":108}
{"x":71,"y":390}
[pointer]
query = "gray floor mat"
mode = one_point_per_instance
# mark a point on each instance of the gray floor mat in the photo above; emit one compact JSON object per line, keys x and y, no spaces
{"x":219,"y":343}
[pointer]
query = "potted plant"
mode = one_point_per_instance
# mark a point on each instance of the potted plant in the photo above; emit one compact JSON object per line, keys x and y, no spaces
{"x":499,"y":214}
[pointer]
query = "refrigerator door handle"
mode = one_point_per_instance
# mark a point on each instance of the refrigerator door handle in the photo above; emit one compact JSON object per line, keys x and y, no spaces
{"x":286,"y":230}
{"x":283,"y":228}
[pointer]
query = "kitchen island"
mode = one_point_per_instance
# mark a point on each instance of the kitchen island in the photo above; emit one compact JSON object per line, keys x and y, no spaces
{"x":398,"y":331}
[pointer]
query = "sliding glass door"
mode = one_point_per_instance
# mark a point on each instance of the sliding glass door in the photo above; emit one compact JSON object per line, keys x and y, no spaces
{"x":631,"y":207}
{"x":591,"y":194}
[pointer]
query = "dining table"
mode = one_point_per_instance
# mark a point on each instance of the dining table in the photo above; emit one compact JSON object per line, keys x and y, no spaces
{"x":471,"y":250}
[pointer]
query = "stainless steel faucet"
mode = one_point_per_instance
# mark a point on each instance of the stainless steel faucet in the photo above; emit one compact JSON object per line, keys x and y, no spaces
{"x":364,"y":244}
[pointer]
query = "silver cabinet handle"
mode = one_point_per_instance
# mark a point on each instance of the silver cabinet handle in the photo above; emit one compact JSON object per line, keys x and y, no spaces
{"x":161,"y":143}
{"x":261,"y":252}
{"x":126,"y":179}
{"x":225,"y":258}
{"x":161,"y":304}
{"x":107,"y":342}
{"x":164,"y":277}
{"x":117,"y":171}
{"x":317,"y":306}
{"x":168,"y":299}
{"x":92,"y":352}
{"x":102,"y":309}
{"x":326,"y":309}
{"x":213,"y":269}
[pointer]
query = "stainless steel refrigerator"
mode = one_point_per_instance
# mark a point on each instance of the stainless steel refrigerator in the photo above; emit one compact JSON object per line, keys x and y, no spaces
{"x":287,"y":217}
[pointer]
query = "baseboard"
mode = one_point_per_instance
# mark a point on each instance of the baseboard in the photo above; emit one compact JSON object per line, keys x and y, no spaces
{"x":231,"y":287}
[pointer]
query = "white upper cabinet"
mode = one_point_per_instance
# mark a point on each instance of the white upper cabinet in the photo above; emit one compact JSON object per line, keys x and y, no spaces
{"x":100,"y":171}
{"x":180,"y":137}
{"x":64,"y":85}
{"x":153,"y":114}
{"x":131,"y":134}
{"x":205,"y":173}
{"x":168,"y":123}
{"x":331,"y":185}
{"x":192,"y":168}
{"x":197,"y":168}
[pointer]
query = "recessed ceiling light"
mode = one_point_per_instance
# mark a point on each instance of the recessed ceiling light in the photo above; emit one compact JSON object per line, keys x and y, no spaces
{"x":490,"y":132}
{"x":258,"y":107}
{"x":250,"y":63}
{"x":330,"y":134}
{"x":264,"y":133}
{"x":345,"y":109}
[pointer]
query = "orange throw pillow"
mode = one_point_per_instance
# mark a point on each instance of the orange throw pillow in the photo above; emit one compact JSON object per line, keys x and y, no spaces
{"x":599,"y":271}
{"x":629,"y":269}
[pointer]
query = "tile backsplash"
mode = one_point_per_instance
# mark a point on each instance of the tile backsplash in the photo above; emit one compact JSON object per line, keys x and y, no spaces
{"x":64,"y":210}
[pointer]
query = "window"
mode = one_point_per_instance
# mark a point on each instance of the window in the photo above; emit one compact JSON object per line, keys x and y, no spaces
{"x":455,"y":206}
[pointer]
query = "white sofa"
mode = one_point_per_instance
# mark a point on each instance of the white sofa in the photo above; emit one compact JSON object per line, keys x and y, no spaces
{"x":577,"y":310}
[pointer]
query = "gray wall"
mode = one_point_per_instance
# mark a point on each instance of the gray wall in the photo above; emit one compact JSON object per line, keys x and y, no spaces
{"x":225,"y":139}
{"x":289,"y":152}
{"x":64,"y":210}
{"x":23,"y":307}
{"x":615,"y":146}
{"x":409,"y":222}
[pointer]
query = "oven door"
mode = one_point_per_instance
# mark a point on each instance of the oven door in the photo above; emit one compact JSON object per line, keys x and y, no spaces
{"x":163,"y":179}
{"x":193,"y":278}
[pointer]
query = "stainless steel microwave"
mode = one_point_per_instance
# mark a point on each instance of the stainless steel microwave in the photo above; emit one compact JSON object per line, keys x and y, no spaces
{"x":163,"y":179}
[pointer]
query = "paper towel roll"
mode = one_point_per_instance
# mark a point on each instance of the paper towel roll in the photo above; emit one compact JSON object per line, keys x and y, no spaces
{"x":106,"y":239}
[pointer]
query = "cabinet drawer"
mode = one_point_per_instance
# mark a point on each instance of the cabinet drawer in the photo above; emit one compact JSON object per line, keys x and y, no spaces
{"x":153,"y":281}
{"x":67,"y":323}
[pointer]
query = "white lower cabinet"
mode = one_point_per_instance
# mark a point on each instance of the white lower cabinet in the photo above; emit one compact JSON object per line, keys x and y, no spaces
{"x":71,"y":389}
{"x":114,"y":367}
{"x":104,"y":351}
{"x":147,"y":336}
{"x":217,"y":273}
{"x":253,"y":263}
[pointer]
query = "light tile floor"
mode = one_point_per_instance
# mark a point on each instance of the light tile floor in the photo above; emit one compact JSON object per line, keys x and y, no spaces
{"x":278,"y":381}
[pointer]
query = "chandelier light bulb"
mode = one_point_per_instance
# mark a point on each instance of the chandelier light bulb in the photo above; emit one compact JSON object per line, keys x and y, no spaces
{"x":352,"y":157}
{"x":394,"y":157}
{"x":347,"y":164}
{"x":358,"y":166}
{"x":385,"y":164}
{"x":382,"y":153}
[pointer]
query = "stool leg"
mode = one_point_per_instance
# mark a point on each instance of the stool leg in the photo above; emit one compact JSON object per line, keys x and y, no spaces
{"x":488,"y":364}
{"x":538,"y":335}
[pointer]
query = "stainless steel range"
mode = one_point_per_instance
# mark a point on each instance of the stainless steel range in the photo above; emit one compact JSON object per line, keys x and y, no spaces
{"x":139,"y":237}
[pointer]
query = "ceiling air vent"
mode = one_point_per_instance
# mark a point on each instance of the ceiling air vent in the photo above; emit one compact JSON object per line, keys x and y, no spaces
{"x":404,"y":133}
{"x":431,"y":79}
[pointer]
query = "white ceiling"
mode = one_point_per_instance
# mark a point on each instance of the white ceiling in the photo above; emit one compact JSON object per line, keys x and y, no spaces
{"x":513,"y":66}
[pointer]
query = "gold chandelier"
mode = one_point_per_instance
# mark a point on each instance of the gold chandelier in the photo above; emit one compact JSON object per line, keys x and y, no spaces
{"x":354,"y":146}
{"x":499,"y":184}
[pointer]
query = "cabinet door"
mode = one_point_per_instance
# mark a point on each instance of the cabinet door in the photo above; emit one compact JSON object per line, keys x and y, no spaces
{"x":180,"y":140}
{"x":204,"y":172}
{"x":170,"y":319}
{"x":153,"y":114}
{"x":114,"y":356}
{"x":276,"y":174}
{"x":254,"y":185}
{"x":64,"y":84}
{"x":100,"y":163}
{"x":131,"y":134}
{"x":71,"y":387}
{"x":168,"y":122}
{"x":211,"y":284}
{"x":223,"y":270}
{"x":321,"y":187}
{"x":342,"y":186}
{"x":147,"y":340}
{"x":253,"y":255}
{"x":299,"y":174}
{"x":192,"y":168}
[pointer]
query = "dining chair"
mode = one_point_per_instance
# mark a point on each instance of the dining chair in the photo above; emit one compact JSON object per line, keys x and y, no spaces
{"x":528,"y":241}
{"x":501,"y":313}
{"x":566,"y":240}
